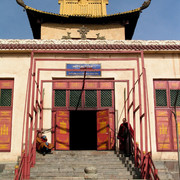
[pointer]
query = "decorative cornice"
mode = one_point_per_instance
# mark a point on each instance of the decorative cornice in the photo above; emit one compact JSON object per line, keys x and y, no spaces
{"x":145,"y":4}
{"x":89,"y":45}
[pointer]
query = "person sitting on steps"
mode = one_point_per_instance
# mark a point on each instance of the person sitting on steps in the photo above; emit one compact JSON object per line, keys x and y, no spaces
{"x":42,"y":145}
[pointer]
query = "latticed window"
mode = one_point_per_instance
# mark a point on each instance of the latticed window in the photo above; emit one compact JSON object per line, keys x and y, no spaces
{"x":5,"y":97}
{"x":91,"y":98}
{"x":60,"y":98}
{"x":106,"y":98}
{"x":161,"y":97}
{"x":75,"y":98}
{"x":173,"y":95}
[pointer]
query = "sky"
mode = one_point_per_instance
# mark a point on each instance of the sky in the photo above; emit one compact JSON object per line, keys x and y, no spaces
{"x":161,"y":21}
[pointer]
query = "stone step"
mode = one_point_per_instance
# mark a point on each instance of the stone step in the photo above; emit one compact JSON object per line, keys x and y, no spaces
{"x":80,"y":163}
{"x":75,"y":178}
{"x":6,"y":177}
{"x":71,"y":164}
{"x":76,"y":167}
{"x":69,"y":174}
{"x":78,"y":170}
{"x":78,"y":159}
{"x":84,"y":152}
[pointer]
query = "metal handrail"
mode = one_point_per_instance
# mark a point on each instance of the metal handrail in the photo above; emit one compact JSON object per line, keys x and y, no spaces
{"x":148,"y":169}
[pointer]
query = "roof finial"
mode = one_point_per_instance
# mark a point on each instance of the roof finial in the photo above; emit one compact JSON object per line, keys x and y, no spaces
{"x":21,"y":3}
{"x":145,"y":4}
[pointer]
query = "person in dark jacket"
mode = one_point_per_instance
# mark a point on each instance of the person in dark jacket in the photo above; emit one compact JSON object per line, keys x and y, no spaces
{"x":124,"y":136}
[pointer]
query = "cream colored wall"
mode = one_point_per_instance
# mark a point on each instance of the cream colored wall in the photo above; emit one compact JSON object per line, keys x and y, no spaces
{"x":57,"y":31}
{"x":16,"y":66}
{"x":165,"y":66}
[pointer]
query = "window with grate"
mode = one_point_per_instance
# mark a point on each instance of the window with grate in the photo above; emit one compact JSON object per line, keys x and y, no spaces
{"x":5,"y":98}
{"x":106,"y":98}
{"x":161,"y":97}
{"x":75,"y":98}
{"x":90,"y":98}
{"x":60,"y":98}
{"x":173,"y":95}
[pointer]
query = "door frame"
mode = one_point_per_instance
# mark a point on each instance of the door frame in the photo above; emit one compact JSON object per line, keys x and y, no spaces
{"x":101,"y":84}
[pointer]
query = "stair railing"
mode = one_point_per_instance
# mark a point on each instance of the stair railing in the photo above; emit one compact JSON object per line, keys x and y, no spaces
{"x":32,"y":108}
{"x":143,"y":160}
{"x":147,"y":167}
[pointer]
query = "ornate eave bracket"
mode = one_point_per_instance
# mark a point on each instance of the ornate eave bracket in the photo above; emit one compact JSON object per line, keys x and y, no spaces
{"x":21,"y":3}
{"x":145,"y":4}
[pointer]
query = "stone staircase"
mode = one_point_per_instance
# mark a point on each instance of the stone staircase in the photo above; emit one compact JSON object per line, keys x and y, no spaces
{"x":7,"y":171}
{"x":70,"y":165}
{"x":167,"y":170}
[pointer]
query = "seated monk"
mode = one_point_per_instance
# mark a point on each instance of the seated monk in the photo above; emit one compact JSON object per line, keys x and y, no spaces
{"x":42,"y":145}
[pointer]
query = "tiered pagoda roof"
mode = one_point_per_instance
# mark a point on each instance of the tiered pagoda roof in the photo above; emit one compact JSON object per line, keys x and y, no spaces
{"x":128,"y":19}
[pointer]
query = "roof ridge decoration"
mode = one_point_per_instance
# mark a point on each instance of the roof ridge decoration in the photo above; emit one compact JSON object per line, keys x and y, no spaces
{"x":144,"y":6}
{"x":21,"y":3}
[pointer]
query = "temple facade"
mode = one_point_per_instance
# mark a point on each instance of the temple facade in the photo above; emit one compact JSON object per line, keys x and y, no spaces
{"x":81,"y":75}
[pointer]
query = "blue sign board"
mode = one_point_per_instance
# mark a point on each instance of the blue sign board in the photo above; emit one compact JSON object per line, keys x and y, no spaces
{"x":81,"y":73}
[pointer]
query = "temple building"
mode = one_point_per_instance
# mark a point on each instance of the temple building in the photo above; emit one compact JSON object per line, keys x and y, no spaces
{"x":80,"y":76}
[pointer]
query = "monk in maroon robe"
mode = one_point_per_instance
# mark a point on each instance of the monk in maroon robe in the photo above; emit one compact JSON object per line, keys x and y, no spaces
{"x":124,"y":136}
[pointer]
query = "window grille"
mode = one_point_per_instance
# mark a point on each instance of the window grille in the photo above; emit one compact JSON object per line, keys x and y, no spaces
{"x":75,"y":98}
{"x":5,"y":98}
{"x":91,"y":98}
{"x":106,"y":98}
{"x":60,"y":98}
{"x":173,"y":95}
{"x":161,"y":97}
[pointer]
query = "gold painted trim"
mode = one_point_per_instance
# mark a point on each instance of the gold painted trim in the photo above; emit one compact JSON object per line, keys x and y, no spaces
{"x":144,"y":6}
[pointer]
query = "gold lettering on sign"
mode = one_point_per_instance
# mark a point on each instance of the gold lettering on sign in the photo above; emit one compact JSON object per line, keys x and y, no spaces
{"x":163,"y":130}
{"x":4,"y":130}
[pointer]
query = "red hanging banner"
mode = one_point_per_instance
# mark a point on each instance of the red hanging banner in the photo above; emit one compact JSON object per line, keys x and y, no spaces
{"x":103,"y":130}
{"x":62,"y":130}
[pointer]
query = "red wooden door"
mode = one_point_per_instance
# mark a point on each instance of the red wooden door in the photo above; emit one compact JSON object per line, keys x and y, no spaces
{"x":62,"y":130}
{"x":103,"y":130}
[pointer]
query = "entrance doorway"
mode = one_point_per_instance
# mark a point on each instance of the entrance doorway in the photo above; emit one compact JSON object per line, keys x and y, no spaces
{"x":83,"y":130}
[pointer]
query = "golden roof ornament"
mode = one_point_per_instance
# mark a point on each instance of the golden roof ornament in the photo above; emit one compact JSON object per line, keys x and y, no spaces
{"x":145,"y":4}
{"x":83,"y":7}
